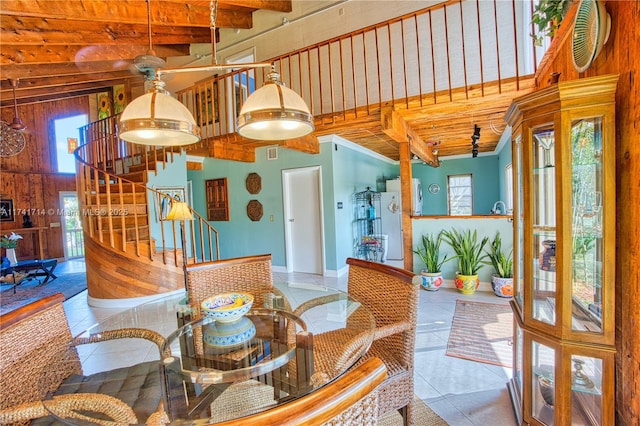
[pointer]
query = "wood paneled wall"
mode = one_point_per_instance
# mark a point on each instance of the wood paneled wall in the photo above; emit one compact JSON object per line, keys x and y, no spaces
{"x":619,"y":56}
{"x":30,"y":178}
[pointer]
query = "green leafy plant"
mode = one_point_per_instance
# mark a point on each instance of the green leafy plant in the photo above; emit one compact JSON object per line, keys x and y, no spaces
{"x":10,"y":241}
{"x":429,"y":252}
{"x":469,"y":251}
{"x":547,"y":16}
{"x":502,"y":262}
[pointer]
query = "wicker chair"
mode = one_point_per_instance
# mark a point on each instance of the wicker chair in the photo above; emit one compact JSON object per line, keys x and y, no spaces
{"x":391,"y":294}
{"x":251,"y":274}
{"x":37,"y":359}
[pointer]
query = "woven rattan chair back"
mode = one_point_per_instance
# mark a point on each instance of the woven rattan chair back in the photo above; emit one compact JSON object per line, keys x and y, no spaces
{"x":251,"y":274}
{"x":33,"y":338}
{"x":392,"y":295}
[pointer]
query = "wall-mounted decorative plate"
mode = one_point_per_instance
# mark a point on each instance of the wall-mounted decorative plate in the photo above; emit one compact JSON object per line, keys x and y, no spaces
{"x":434,"y":188}
{"x":254,"y":210}
{"x":254,"y":183}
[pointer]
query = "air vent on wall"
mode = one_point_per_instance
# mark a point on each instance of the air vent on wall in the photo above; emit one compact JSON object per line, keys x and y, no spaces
{"x":272,"y":153}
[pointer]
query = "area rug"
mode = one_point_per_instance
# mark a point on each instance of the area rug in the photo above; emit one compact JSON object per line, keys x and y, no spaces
{"x":424,"y":416}
{"x":482,"y":332}
{"x":28,"y":291}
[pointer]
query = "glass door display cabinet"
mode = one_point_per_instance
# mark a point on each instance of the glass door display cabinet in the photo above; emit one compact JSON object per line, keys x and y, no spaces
{"x":564,"y":249}
{"x":367,"y":226}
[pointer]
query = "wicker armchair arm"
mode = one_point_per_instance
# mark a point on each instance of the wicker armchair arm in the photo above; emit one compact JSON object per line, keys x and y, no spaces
{"x":70,"y":406}
{"x":391,"y":329}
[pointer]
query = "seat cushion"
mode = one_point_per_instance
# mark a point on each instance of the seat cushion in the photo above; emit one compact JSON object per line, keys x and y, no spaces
{"x":138,"y":386}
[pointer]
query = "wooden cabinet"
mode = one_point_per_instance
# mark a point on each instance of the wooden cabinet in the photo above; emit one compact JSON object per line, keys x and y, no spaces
{"x":564,"y":250}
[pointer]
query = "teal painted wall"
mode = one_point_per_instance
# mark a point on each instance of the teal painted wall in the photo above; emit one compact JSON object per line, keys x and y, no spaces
{"x":343,"y":172}
{"x":353,"y":172}
{"x":485,"y":171}
{"x":173,"y":174}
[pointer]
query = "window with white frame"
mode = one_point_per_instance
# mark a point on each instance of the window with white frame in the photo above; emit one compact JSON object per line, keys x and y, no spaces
{"x":460,"y":195}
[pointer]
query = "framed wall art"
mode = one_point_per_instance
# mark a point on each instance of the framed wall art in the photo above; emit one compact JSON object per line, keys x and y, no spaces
{"x":6,"y":210}
{"x":163,"y":202}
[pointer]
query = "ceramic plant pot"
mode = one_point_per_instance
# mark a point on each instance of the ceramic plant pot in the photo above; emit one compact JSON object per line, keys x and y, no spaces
{"x":467,"y":284}
{"x":502,"y":287}
{"x":431,"y":281}
{"x":11,"y":255}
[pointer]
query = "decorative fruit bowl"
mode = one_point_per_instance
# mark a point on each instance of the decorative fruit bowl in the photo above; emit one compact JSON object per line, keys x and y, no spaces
{"x":227,"y":307}
{"x":223,"y":337}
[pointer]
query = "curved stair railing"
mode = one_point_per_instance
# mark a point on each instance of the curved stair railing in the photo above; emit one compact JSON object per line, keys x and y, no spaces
{"x":120,"y":212}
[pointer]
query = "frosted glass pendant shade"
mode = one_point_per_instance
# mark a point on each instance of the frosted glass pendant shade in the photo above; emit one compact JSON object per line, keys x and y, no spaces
{"x":274,"y":112}
{"x":157,"y":119}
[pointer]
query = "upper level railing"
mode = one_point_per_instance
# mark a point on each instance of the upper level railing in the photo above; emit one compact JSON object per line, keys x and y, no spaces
{"x":430,"y":56}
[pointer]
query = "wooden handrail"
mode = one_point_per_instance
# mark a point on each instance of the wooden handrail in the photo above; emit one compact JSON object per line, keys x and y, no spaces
{"x":101,"y":159}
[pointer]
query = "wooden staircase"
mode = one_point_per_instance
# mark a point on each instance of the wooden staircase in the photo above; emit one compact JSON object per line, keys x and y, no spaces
{"x":123,"y":258}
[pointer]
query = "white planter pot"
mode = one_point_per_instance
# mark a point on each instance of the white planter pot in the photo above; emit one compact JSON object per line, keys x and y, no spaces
{"x":502,"y":287}
{"x":11,"y":255}
{"x":431,"y":281}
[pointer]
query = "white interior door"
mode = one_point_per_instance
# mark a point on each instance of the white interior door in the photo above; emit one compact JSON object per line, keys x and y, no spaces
{"x":302,"y":195}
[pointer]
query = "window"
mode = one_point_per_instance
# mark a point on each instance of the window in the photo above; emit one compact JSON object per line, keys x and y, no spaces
{"x":460,"y":195}
{"x":508,"y":186}
{"x":67,"y":136}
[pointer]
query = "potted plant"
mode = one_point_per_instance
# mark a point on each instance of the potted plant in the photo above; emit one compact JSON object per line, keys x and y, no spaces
{"x":429,"y":253}
{"x":10,"y":242}
{"x":470,"y":255}
{"x":502,"y":279}
{"x":547,"y":16}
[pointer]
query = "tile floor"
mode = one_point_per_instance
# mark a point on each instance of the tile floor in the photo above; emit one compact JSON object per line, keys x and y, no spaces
{"x":462,"y":392}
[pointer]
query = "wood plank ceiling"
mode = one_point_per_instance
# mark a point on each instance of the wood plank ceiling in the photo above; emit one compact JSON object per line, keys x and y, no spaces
{"x":73,"y":47}
{"x":65,"y":48}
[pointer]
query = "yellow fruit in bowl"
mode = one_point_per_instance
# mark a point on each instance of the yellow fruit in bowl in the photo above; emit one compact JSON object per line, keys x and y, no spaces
{"x":236,"y":304}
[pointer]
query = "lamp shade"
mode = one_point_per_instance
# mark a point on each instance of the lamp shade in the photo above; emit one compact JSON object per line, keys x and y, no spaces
{"x":179,"y":211}
{"x":274,"y":112}
{"x":157,"y":119}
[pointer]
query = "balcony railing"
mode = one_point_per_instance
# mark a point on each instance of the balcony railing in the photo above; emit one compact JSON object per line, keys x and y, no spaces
{"x":430,"y":56}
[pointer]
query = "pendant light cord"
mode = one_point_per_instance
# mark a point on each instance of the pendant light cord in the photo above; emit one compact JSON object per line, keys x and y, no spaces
{"x":213,"y":14}
{"x":151,"y":52}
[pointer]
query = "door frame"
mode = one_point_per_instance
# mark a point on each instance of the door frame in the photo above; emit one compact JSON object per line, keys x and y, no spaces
{"x":288,"y":199}
{"x":63,"y":220}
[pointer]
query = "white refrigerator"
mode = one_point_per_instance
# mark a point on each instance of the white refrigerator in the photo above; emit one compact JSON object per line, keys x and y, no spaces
{"x":391,"y":221}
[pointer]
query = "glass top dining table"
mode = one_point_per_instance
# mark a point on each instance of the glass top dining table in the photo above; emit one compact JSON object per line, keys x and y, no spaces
{"x":212,"y":371}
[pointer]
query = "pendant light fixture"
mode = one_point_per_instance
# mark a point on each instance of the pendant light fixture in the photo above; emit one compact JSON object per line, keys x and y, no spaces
{"x":274,"y":112}
{"x":156,"y":118}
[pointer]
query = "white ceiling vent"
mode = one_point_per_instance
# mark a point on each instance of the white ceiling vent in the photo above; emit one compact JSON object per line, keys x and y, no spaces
{"x":272,"y":153}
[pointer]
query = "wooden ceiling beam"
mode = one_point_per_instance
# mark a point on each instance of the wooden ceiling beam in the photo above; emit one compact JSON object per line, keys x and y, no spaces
{"x":41,"y":31}
{"x":30,"y":89}
{"x":61,"y":71}
{"x":308,"y":144}
{"x":24,"y":54}
{"x":60,"y":92}
{"x":129,"y":12}
{"x":397,"y":128}
{"x":274,"y":5}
